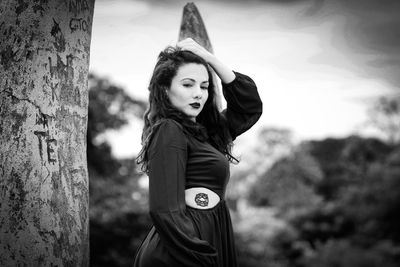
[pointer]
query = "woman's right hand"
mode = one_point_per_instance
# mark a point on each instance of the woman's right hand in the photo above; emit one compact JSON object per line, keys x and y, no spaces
{"x":191,"y":45}
{"x":225,"y":74}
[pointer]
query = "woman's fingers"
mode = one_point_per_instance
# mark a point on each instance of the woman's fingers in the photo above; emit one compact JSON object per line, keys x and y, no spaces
{"x":191,"y":45}
{"x":187,"y":40}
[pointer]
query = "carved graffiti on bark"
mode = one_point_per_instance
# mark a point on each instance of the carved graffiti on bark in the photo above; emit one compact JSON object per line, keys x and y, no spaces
{"x":78,"y":24}
{"x":51,"y":144}
{"x":78,"y":6}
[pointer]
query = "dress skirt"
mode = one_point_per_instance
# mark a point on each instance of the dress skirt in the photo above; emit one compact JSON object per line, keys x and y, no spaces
{"x":213,"y":225}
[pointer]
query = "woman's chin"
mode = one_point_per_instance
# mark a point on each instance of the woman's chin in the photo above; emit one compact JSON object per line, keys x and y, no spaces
{"x":192,"y":115}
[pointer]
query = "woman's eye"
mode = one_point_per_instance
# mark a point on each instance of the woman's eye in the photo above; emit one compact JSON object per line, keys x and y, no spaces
{"x":187,"y":85}
{"x":204,"y":88}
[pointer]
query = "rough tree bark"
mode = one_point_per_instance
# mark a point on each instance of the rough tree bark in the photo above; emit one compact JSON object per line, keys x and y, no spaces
{"x":44,"y":56}
{"x":192,"y":26}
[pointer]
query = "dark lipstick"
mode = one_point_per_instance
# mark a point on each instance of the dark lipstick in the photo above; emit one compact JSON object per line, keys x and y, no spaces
{"x":195,"y":105}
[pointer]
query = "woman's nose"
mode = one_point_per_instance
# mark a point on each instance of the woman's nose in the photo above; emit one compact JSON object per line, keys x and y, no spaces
{"x":197,"y":92}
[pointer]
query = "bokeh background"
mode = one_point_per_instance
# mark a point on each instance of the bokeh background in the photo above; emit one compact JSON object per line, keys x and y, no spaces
{"x":319,"y":175}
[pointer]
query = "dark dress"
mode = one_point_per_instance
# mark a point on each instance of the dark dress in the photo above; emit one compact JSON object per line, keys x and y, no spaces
{"x":181,"y":235}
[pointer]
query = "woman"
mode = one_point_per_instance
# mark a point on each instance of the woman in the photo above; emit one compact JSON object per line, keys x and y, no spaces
{"x":186,"y":153}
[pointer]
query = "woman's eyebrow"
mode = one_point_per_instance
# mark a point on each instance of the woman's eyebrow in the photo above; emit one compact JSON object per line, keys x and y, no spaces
{"x":190,"y":79}
{"x":193,"y":80}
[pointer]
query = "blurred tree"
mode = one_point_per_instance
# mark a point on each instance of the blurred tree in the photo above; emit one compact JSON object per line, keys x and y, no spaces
{"x":344,"y":161}
{"x":373,"y":204}
{"x":117,"y":218}
{"x":272,"y":144}
{"x":342,"y":253}
{"x":288,"y":183}
{"x":254,"y":229}
{"x":113,"y":242}
{"x":384,"y":115}
{"x":110,"y":107}
{"x":273,"y":138}
{"x":357,"y":227}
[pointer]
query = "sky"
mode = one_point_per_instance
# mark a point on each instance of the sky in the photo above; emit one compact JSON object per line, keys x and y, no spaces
{"x":318,"y":64}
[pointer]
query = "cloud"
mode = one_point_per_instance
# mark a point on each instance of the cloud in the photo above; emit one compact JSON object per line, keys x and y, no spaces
{"x":370,"y":32}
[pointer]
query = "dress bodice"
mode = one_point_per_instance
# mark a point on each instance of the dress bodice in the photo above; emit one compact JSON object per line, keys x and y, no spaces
{"x":206,"y":167}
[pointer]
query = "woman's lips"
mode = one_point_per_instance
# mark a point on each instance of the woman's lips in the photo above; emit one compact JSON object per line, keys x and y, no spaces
{"x":195,"y":105}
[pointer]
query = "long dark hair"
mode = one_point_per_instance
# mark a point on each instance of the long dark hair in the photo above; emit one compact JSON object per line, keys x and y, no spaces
{"x":209,"y":125}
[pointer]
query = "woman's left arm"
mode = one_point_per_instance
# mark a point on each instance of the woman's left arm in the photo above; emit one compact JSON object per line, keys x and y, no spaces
{"x":244,"y":105}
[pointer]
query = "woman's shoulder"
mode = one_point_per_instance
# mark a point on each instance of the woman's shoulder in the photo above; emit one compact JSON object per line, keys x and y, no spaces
{"x":185,"y":131}
{"x":168,"y":132}
{"x":168,"y":124}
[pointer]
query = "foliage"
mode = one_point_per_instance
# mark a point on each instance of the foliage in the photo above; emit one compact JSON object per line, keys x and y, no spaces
{"x":372,"y":205}
{"x":254,"y":228}
{"x":117,"y":219}
{"x":113,"y":243}
{"x":384,"y":115}
{"x":359,"y":226}
{"x":286,"y":184}
{"x":344,"y":254}
{"x":110,"y":107}
{"x":272,"y":144}
{"x":345,"y":161}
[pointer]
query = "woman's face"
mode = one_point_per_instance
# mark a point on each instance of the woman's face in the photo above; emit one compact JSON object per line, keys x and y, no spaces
{"x":189,"y":89}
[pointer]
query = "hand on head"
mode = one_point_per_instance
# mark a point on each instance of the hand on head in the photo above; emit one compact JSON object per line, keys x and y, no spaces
{"x":225,"y":73}
{"x":191,"y":45}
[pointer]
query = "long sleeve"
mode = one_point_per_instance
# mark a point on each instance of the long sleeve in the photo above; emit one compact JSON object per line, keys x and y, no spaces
{"x":244,"y":106}
{"x":167,"y":167}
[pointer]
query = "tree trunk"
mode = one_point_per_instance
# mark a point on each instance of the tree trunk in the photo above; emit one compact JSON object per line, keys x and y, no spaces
{"x":44,"y":198}
{"x":192,"y":26}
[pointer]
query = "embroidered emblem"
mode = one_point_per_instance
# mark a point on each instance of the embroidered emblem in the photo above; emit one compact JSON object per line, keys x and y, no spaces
{"x":201,"y":199}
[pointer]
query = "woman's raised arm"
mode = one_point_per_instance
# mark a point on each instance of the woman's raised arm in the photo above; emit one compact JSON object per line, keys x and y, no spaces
{"x":224,"y":72}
